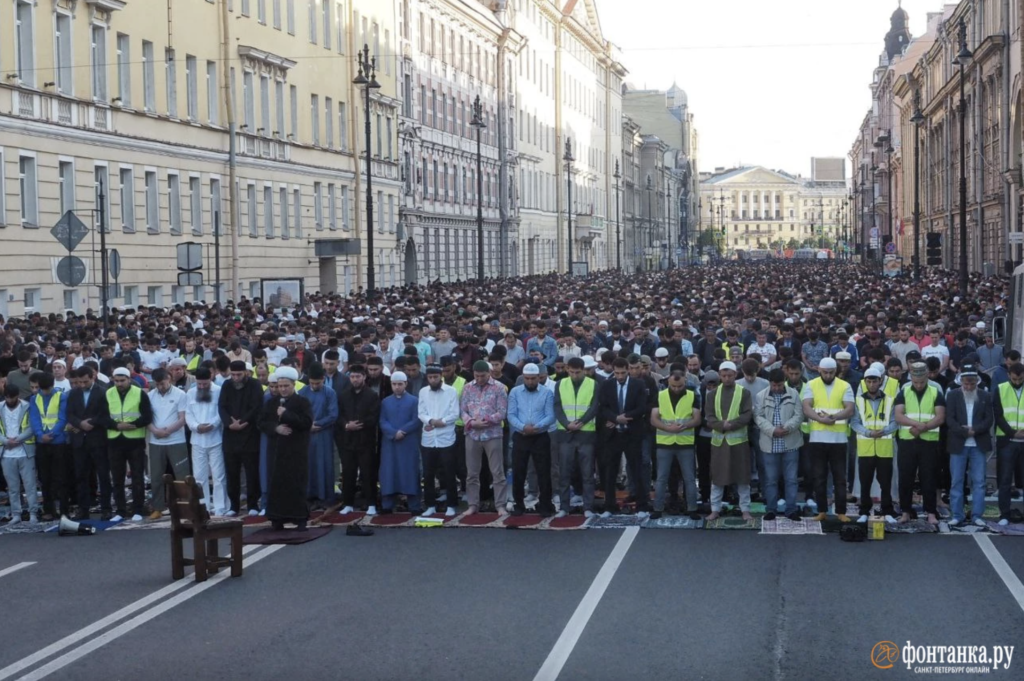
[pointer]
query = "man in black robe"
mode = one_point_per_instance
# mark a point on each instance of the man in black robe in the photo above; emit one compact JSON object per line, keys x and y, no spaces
{"x":287,"y":421}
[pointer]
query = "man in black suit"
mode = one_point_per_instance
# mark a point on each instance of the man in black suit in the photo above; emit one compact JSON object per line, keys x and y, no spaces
{"x":623,"y":407}
{"x":87,"y":410}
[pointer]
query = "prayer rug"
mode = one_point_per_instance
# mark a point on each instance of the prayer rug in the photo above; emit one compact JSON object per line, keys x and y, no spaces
{"x":787,"y":526}
{"x":100,"y":525}
{"x":28,"y":528}
{"x":162,"y":524}
{"x":1011,"y":530}
{"x":919,"y":526}
{"x":732,"y":523}
{"x":961,"y":529}
{"x":569,"y":522}
{"x":286,"y":536}
{"x":616,"y":522}
{"x":336,"y":518}
{"x":673,"y":522}
{"x":390,"y":520}
{"x":477,"y":520}
{"x":527,"y":521}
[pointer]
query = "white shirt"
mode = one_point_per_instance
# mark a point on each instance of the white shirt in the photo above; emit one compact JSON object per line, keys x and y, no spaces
{"x":198,"y":413}
{"x":276,"y":355}
{"x":969,"y":404}
{"x":62,"y":386}
{"x":151,"y":361}
{"x":440,"y":404}
{"x":767,"y":350}
{"x":939,"y":351}
{"x":166,"y":409}
{"x":12,"y":427}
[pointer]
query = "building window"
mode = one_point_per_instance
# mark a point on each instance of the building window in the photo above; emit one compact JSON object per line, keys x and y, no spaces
{"x":380,"y":212}
{"x":192,"y":88}
{"x":171,"y":69}
{"x":29,"y":188}
{"x":212,"y":99}
{"x":24,"y":42}
{"x":195,"y":205}
{"x":329,"y":121}
{"x":332,"y":209}
{"x":312,"y":20}
{"x":391,"y":213}
{"x":251,"y":203}
{"x":64,"y":55}
{"x":215,"y":224}
{"x":265,"y":123}
{"x":283,"y":199}
{"x":344,"y":208}
{"x":152,"y":204}
{"x":148,"y":76}
{"x":290,"y":16}
{"x":124,"y":70}
{"x":32,"y":299}
{"x":127,"y":197}
{"x":318,"y":205}
{"x":66,"y":176}
{"x":314,"y":108}
{"x":155,"y":295}
{"x":277,"y":14}
{"x":391,"y":146}
{"x":325,"y":8}
{"x":342,"y":126}
{"x":268,"y":212}
{"x":249,"y":103}
{"x":279,"y":131}
{"x":261,"y":11}
{"x":297,"y":208}
{"x":99,"y":63}
{"x":173,"y":203}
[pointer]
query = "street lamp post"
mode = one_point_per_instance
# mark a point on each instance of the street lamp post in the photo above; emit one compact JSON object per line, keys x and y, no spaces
{"x":567,"y":157}
{"x":367,"y":78}
{"x":618,"y":242}
{"x":650,"y":220}
{"x":963,"y":59}
{"x":888,"y":183}
{"x":478,"y":123}
{"x":917,"y":119}
{"x":874,"y":206}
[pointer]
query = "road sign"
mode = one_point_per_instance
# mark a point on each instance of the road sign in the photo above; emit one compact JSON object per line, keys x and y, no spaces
{"x":679,"y":252}
{"x":69,"y":231}
{"x":114,"y":260}
{"x":71,"y":270}
{"x":190,"y":278}
{"x":873,"y":232}
{"x":190,"y":257}
{"x":890,"y":247}
{"x":1017,"y":237}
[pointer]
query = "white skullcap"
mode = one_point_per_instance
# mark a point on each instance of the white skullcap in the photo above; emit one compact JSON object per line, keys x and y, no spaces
{"x":873,"y":372}
{"x":178,"y":362}
{"x":399,"y":376}
{"x":878,"y":366}
{"x":61,"y":362}
{"x":827,"y":363}
{"x":844,"y":355}
{"x":589,"y":362}
{"x":121,"y":371}
{"x":272,"y":378}
{"x":726,"y":366}
{"x":287,"y":374}
{"x":530,"y":370}
{"x":661,"y":352}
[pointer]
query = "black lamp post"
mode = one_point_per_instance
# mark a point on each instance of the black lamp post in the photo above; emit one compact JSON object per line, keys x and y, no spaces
{"x":618,"y":242}
{"x":888,"y":183}
{"x":649,"y":242}
{"x":917,"y":119}
{"x":367,"y":78}
{"x":478,"y":123}
{"x":963,"y":59}
{"x":874,"y":206}
{"x":568,"y":181}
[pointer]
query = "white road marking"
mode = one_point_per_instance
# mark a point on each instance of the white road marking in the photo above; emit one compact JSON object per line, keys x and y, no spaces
{"x":1001,"y":567}
{"x":99,"y":625}
{"x":558,"y":656}
{"x":15,"y":568}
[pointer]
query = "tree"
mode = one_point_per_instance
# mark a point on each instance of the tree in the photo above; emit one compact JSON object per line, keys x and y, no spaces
{"x":792,"y":244}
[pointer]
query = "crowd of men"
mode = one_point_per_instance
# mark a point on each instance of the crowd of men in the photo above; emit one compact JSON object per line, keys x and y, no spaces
{"x":806,"y":386}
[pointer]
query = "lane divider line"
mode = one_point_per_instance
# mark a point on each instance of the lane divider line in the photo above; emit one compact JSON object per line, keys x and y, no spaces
{"x":1001,"y":567}
{"x":558,"y":656}
{"x":15,"y":568}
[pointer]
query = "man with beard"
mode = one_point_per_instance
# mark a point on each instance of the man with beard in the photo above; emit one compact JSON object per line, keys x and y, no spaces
{"x":324,"y":406}
{"x":333,"y":378}
{"x":287,"y":422}
{"x":240,"y":402}
{"x":675,"y":417}
{"x":356,"y":439}
{"x":483,"y":406}
{"x":729,"y":410}
{"x":438,"y":410}
{"x":375,"y":378}
{"x":576,"y":410}
{"x":875,"y":425}
{"x":531,"y":413}
{"x":623,"y":406}
{"x":400,"y":451}
{"x":180,"y":378}
{"x":828,"y":405}
{"x":202,"y":416}
{"x":166,"y":437}
{"x":920,"y":411}
{"x":969,"y":419}
{"x":128,"y":415}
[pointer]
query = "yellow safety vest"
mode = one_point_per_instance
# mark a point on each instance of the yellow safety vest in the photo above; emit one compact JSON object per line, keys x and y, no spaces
{"x":805,"y":426}
{"x":922,"y":410}
{"x":125,"y":411}
{"x":733,"y":437}
{"x":24,"y":427}
{"x":270,"y":369}
{"x":890,"y":386}
{"x":1013,"y":408}
{"x":459,"y":383}
{"x":51,"y":412}
{"x":575,"y":403}
{"x":830,"y":404}
{"x":193,"y":363}
{"x":682,"y":412}
{"x":726,"y":346}
{"x":875,"y":419}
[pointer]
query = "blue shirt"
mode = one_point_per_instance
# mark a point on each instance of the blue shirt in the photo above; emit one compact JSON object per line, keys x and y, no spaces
{"x":547,"y":346}
{"x":850,"y":348}
{"x":536,"y":407}
{"x":35,"y":418}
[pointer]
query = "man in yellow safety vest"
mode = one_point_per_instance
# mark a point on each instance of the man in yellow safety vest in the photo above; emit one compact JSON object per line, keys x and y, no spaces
{"x":828,"y":405}
{"x":874,"y":424}
{"x":676,"y":417}
{"x":920,"y":411}
{"x":129,"y":415}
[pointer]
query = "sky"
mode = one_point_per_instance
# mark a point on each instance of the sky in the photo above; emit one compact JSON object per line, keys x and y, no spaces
{"x":769,"y":83}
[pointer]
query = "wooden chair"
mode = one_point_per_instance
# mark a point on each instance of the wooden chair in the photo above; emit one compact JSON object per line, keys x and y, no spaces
{"x":189,"y":519}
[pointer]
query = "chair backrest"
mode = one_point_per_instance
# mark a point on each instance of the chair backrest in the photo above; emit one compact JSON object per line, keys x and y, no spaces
{"x":183,"y":497}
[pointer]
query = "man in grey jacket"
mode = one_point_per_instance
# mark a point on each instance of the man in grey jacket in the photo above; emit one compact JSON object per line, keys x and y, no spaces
{"x":16,"y":457}
{"x":970,"y":414}
{"x":778,"y":414}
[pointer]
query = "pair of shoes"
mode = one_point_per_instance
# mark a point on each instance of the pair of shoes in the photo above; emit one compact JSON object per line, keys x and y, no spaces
{"x":116,"y":518}
{"x":137,"y":518}
{"x":1003,"y":522}
{"x":586,"y":514}
{"x":863,"y":519}
{"x":346,"y":510}
{"x":819,"y":517}
{"x":980,"y":522}
{"x":155,"y":515}
{"x":889,"y":519}
{"x":770,"y":515}
{"x":371,"y":510}
{"x":655,"y":515}
{"x":16,"y":520}
{"x":429,"y":512}
{"x":561,"y":514}
{"x":576,"y":500}
{"x":795,"y":516}
{"x":606,"y":514}
{"x":253,"y":513}
{"x":450,"y":512}
{"x":643,"y":515}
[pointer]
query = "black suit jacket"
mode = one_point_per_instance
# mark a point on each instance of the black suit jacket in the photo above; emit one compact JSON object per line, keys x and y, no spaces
{"x":96,"y":412}
{"x":636,"y":405}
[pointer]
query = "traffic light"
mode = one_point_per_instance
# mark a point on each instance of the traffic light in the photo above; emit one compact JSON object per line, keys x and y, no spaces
{"x":933,"y":249}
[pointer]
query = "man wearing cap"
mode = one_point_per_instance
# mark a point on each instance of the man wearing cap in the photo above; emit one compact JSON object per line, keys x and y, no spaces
{"x":828,"y":405}
{"x":128,"y":415}
{"x":675,"y":419}
{"x":874,"y":423}
{"x":47,"y":415}
{"x":60,"y":381}
{"x":1009,"y":415}
{"x":661,"y":367}
{"x":287,"y":421}
{"x":438,"y":410}
{"x":969,"y":419}
{"x":483,"y":406}
{"x":240,"y":402}
{"x":576,"y":409}
{"x":920,"y":411}
{"x":729,"y":412}
{"x":324,"y":406}
{"x":531,"y":413}
{"x":400,"y":449}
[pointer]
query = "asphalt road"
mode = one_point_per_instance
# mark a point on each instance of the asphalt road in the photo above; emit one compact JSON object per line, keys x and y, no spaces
{"x":491,"y":604}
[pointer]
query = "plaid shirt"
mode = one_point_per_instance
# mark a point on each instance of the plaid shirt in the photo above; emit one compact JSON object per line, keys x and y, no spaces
{"x":488,"y":403}
{"x":778,"y":443}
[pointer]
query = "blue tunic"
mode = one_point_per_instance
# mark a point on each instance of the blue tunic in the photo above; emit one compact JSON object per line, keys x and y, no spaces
{"x":264,"y":476}
{"x":400,"y":459}
{"x":321,"y":443}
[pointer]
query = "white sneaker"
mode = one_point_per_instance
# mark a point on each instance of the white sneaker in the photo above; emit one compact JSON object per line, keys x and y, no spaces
{"x":1003,"y":522}
{"x":576,"y":500}
{"x":953,"y":522}
{"x":33,"y":519}
{"x":346,"y":510}
{"x":136,"y":518}
{"x":643,"y":515}
{"x":889,"y":519}
{"x":263,"y":512}
{"x":16,"y":520}
{"x":371,"y":510}
{"x":230,"y":514}
{"x":813,"y":504}
{"x":606,"y":514}
{"x":253,"y":513}
{"x":862,"y":519}
{"x":450,"y":513}
{"x":530,"y":499}
{"x":116,"y":519}
{"x":588,"y":514}
{"x":980,"y":522}
{"x":429,"y":512}
{"x":561,"y":514}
